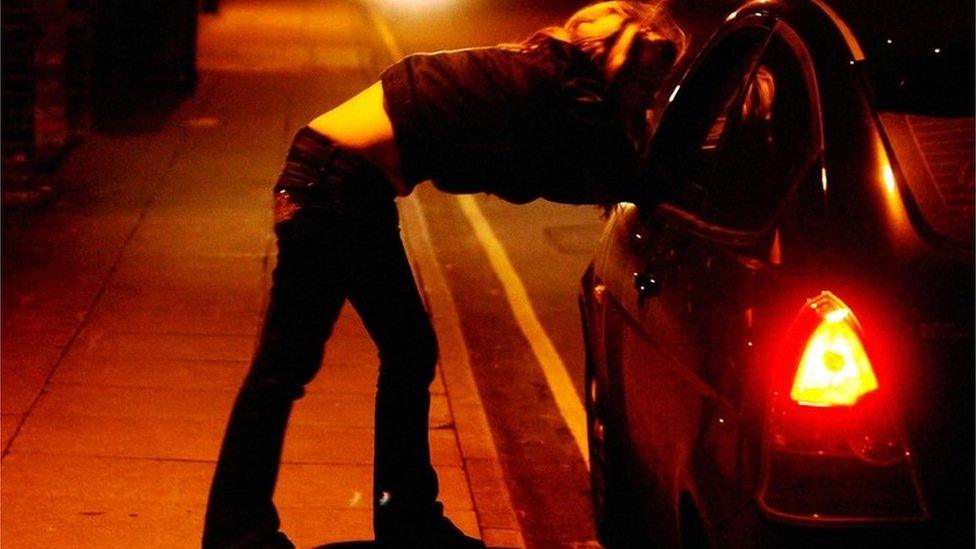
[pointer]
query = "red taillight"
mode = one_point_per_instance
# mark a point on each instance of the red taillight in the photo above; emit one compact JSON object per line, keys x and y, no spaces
{"x":834,"y":369}
{"x":833,"y":448}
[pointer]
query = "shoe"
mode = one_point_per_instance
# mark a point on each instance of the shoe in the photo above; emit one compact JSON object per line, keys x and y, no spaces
{"x":438,"y":533}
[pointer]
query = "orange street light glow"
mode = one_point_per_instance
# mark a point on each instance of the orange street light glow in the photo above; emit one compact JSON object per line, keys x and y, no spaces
{"x":416,"y":5}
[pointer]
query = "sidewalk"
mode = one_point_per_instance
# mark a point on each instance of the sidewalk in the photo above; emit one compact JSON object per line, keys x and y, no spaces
{"x":131,"y":308}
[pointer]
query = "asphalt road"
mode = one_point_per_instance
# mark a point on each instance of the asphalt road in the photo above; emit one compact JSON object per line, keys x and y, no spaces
{"x":549,"y":246}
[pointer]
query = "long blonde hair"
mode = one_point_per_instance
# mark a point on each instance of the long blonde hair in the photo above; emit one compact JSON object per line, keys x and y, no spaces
{"x":608,"y":31}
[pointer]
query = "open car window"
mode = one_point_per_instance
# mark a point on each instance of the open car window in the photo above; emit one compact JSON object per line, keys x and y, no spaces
{"x":734,"y":162}
{"x":685,"y":146}
{"x":767,"y":144}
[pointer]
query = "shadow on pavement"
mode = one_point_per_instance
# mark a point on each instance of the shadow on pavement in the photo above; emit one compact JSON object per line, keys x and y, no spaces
{"x":360,"y":545}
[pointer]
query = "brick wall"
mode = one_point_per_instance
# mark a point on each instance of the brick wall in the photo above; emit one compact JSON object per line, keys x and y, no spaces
{"x":17,"y":52}
{"x":145,"y":43}
{"x":46,"y":89}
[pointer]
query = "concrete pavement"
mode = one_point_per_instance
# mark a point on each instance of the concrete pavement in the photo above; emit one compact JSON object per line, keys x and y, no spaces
{"x":131,"y":308}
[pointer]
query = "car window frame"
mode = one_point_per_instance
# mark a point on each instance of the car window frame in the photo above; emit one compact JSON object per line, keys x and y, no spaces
{"x":674,"y":127}
{"x":685,"y":217}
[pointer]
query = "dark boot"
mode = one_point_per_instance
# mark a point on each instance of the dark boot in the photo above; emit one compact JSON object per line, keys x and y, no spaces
{"x":409,"y":529}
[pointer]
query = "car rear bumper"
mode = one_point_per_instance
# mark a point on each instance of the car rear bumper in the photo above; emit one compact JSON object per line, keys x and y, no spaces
{"x":751,"y":528}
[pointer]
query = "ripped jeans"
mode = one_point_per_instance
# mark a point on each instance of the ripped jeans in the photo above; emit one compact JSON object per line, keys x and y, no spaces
{"x":338,"y":238}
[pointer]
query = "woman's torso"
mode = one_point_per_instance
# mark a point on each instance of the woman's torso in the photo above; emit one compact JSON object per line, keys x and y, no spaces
{"x":517,"y":123}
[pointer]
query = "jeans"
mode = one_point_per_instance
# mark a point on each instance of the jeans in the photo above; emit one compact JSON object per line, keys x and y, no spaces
{"x":338,"y":238}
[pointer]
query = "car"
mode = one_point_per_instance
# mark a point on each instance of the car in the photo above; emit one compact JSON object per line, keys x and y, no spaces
{"x":779,"y":333}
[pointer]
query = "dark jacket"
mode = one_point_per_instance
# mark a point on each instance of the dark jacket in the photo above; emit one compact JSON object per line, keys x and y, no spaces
{"x":517,"y":123}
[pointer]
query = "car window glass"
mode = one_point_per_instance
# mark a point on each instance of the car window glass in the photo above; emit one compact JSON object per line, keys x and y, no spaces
{"x":686,"y":143}
{"x":767,"y":139}
{"x":708,"y":148}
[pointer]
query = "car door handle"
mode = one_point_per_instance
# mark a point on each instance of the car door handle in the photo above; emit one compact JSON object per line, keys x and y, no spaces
{"x":647,"y":284}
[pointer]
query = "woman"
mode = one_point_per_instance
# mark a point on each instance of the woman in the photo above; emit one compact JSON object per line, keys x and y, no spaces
{"x":538,"y":119}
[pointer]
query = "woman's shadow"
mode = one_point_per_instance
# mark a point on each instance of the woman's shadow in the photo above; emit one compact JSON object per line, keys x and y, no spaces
{"x":359,"y":545}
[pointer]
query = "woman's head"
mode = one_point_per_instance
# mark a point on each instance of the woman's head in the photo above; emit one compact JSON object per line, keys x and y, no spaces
{"x":626,"y":39}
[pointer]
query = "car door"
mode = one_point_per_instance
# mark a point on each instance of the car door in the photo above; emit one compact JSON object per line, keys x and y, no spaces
{"x":702,"y":261}
{"x":648,"y":343}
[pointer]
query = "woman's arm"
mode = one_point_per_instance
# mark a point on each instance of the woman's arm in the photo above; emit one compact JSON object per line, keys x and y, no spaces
{"x":361,"y":125}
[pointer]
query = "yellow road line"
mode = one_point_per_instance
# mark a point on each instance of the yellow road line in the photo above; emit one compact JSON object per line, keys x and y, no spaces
{"x":545,"y":352}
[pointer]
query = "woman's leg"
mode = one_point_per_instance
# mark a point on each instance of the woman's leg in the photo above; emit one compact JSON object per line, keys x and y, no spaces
{"x":305,"y":299}
{"x":340,"y":239}
{"x":306,"y":296}
{"x":406,"y":513}
{"x":385,"y":295}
